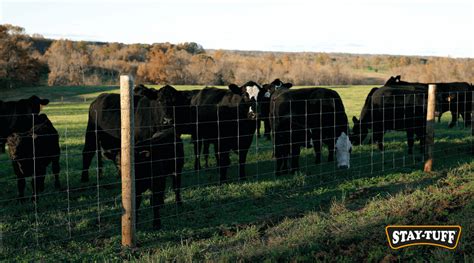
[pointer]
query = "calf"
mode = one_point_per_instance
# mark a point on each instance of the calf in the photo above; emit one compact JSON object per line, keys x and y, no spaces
{"x":16,"y":116}
{"x":156,"y":159}
{"x":32,"y":152}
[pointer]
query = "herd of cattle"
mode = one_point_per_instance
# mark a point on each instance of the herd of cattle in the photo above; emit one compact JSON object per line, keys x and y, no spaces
{"x":227,"y":120}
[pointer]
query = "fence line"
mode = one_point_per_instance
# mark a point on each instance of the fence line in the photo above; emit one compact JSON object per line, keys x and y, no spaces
{"x":102,"y":213}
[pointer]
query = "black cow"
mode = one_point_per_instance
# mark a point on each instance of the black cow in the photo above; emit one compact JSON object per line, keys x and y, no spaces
{"x":155,"y":159}
{"x":226,"y":119}
{"x":455,"y":97}
{"x":180,"y":105}
{"x":392,"y":108}
{"x":103,"y":130}
{"x":31,"y":153}
{"x":296,"y":116}
{"x":16,"y":116}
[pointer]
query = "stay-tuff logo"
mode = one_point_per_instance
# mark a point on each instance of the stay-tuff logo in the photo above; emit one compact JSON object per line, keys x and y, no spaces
{"x":441,"y":236}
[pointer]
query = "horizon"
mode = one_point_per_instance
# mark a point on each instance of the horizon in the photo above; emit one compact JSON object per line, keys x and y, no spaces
{"x":261,"y":25}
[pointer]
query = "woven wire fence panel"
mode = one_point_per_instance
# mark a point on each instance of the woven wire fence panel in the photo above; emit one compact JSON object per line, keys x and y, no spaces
{"x":88,"y":213}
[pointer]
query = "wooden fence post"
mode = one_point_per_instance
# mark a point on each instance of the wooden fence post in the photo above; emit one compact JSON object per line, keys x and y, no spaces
{"x":430,"y":119}
{"x":127,"y":160}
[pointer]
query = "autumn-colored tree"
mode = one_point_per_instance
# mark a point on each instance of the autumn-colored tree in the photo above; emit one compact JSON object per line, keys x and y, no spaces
{"x":68,"y":62}
{"x":17,"y":65}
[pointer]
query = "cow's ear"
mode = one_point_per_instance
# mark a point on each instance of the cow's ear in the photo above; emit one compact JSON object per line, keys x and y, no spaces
{"x":44,"y":102}
{"x":235,"y":89}
{"x":354,"y":119}
{"x":36,"y":100}
{"x":287,"y":85}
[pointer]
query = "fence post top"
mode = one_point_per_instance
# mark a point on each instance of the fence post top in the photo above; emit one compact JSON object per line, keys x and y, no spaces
{"x":126,"y":77}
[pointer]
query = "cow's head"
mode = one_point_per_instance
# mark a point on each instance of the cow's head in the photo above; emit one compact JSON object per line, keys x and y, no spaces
{"x":393,"y":80}
{"x":249,"y":94}
{"x":343,"y":151}
{"x":142,"y":90}
{"x":171,"y":99}
{"x":36,"y":104}
{"x":278,"y":84}
{"x":359,"y":131}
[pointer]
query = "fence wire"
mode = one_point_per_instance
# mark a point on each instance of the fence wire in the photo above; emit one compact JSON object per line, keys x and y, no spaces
{"x":90,"y":211}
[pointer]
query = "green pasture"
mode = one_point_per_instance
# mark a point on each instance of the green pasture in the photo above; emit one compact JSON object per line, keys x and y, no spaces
{"x":318,"y":214}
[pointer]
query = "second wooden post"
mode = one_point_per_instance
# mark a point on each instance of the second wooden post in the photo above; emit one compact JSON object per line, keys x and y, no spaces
{"x":430,"y":120}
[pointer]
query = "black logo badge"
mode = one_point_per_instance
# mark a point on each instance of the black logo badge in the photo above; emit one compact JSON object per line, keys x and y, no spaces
{"x":441,"y":236}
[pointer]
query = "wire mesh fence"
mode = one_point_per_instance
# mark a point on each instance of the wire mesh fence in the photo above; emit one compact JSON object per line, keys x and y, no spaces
{"x":209,"y":170}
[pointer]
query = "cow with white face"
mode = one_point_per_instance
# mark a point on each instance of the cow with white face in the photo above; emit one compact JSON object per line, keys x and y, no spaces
{"x":310,"y":114}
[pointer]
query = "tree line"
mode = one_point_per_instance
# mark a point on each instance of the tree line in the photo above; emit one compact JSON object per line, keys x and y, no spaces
{"x":27,"y":60}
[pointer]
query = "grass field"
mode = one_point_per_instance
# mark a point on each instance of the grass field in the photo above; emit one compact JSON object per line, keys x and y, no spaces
{"x":318,"y":214}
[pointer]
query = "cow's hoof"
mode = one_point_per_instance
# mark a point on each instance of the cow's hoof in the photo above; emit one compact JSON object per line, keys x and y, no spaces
{"x":156,"y":226}
{"x":451,"y":125}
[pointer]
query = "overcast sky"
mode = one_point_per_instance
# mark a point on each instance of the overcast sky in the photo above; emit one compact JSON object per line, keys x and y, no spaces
{"x":406,"y":27}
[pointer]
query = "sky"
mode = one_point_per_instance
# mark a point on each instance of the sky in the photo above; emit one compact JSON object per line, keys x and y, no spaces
{"x":398,"y":27}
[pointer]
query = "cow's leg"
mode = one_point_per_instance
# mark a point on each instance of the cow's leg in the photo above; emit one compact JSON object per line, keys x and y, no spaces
{"x":267,"y":127}
{"x":177,"y":184}
{"x":454,"y":118}
{"x":316,"y":133}
{"x":378,"y":138}
{"x":223,"y":165}
{"x":90,"y":148}
{"x":259,"y":125}
{"x":295,"y":157}
{"x":2,"y":146}
{"x":421,"y":133}
{"x":37,"y":184}
{"x":197,"y":153}
{"x":205,"y":150}
{"x":410,"y":140}
{"x":242,"y":160}
{"x":100,"y":163}
{"x":138,"y":202}
{"x":20,"y":182}
{"x":157,"y":201}
{"x":278,"y":160}
{"x":56,"y":169}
